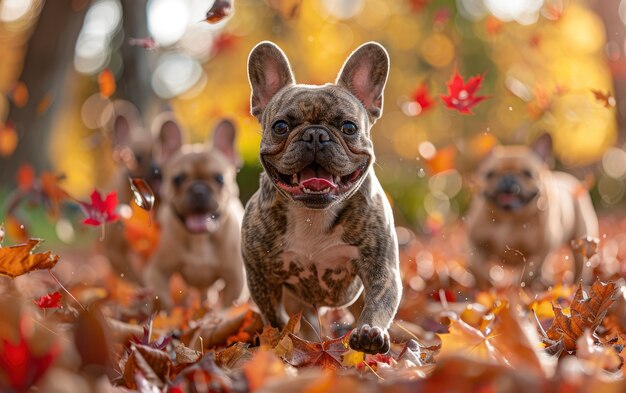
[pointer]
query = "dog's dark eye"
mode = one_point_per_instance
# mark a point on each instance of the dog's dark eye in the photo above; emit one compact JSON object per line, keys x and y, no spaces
{"x":490,"y":175}
{"x":280,"y":127}
{"x":348,"y":128}
{"x":527,"y":173}
{"x":219,"y":179}
{"x":178,"y":179}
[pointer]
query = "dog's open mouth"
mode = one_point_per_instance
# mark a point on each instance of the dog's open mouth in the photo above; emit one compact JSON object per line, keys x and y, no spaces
{"x":511,"y":201}
{"x":200,"y":222}
{"x":314,"y":179}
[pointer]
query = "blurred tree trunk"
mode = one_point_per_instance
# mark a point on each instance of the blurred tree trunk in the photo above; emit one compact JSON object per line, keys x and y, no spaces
{"x":615,"y":40}
{"x":48,"y":61}
{"x":134,"y":82}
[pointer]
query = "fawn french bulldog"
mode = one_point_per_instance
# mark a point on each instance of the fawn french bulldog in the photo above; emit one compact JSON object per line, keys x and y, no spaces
{"x":320,"y":231}
{"x":200,"y":219}
{"x":522,"y":211}
{"x":139,"y":154}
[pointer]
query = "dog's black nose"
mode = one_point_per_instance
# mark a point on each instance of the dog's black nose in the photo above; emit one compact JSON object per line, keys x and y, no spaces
{"x":316,"y":136}
{"x":509,"y":184}
{"x":199,"y":194}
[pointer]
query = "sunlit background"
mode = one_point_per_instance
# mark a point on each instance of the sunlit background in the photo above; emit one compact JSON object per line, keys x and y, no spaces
{"x":541,"y":60}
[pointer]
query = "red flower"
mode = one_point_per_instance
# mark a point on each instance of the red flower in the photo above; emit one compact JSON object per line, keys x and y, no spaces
{"x":423,"y":98}
{"x":461,"y":96}
{"x":100,"y":211}
{"x":51,"y":300}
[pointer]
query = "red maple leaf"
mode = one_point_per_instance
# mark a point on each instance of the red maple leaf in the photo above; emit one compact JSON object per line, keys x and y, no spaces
{"x":19,"y":367}
{"x":461,"y":96}
{"x":51,"y":300}
{"x":422,"y":97}
{"x":100,"y":211}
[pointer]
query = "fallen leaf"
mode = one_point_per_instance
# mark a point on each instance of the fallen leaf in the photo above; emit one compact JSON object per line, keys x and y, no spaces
{"x":586,"y":312}
{"x":219,"y":10}
{"x":202,"y":374}
{"x":19,"y":259}
{"x":185,"y":355}
{"x":234,"y":356}
{"x":100,"y":211}
{"x":326,"y":354}
{"x":262,"y":368}
{"x":465,"y":340}
{"x":106,"y":83}
{"x":8,"y":139}
{"x":51,"y":300}
{"x":142,"y":193}
{"x":20,"y":368}
{"x":154,"y":364}
{"x":461,"y":96}
{"x":605,"y":99}
{"x":597,"y":357}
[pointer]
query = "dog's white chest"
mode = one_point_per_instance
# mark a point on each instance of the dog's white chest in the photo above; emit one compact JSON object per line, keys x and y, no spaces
{"x":312,"y":249}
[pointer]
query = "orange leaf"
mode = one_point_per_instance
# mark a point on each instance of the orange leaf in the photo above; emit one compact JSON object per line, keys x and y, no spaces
{"x":19,"y":259}
{"x":442,"y":161}
{"x":586,"y":312}
{"x":19,"y":95}
{"x":463,"y":339}
{"x":263,"y":367}
{"x":53,"y":193}
{"x":106,"y":83}
{"x":141,"y":232}
{"x":16,"y":229}
{"x":8,"y":139}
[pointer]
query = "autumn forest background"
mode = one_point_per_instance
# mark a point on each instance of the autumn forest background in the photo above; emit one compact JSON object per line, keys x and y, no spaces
{"x":547,"y":66}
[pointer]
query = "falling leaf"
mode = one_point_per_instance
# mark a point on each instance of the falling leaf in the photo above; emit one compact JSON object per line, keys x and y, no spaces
{"x":493,"y":25}
{"x":145,"y":43}
{"x":8,"y":139}
{"x":605,"y":99}
{"x":442,"y":160}
{"x":25,"y":177}
{"x":19,"y":259}
{"x":418,"y":6}
{"x":141,"y":232}
{"x":51,"y":300}
{"x":597,"y":356}
{"x":19,"y":95}
{"x":44,"y":104}
{"x":586,"y":246}
{"x":16,"y":229}
{"x":287,"y":9}
{"x":461,"y":96}
{"x":142,"y":193}
{"x":100,"y":211}
{"x":326,"y":354}
{"x":106,"y":83}
{"x":20,"y":368}
{"x":586,"y":312}
{"x":52,"y":193}
{"x":223,"y":42}
{"x":421,"y":101}
{"x":219,"y":10}
{"x":441,"y":17}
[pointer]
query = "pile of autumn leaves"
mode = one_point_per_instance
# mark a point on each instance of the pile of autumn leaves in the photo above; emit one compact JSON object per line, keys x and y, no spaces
{"x":564,"y":339}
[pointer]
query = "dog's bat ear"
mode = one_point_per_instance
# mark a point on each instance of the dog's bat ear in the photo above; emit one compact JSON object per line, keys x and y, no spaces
{"x":268,"y":73}
{"x":169,"y":136}
{"x":223,"y":138}
{"x":124,"y":117}
{"x":364,"y":74}
{"x":542,"y":146}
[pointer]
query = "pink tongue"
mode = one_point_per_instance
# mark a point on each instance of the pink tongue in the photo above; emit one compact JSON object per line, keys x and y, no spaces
{"x":507,"y":198}
{"x":200,"y":223}
{"x":309,"y":179}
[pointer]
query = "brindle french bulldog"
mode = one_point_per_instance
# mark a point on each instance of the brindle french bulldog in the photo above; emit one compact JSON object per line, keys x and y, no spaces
{"x":320,"y":230}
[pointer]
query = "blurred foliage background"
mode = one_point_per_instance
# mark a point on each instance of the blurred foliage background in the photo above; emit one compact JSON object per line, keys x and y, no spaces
{"x":542,"y":61}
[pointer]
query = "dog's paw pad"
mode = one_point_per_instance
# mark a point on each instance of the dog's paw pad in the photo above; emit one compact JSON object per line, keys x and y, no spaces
{"x":370,"y":339}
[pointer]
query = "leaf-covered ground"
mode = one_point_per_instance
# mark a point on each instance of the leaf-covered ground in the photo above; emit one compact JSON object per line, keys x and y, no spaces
{"x":78,"y":327}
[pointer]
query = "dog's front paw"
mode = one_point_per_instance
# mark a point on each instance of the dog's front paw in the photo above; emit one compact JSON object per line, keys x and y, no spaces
{"x":370,"y":339}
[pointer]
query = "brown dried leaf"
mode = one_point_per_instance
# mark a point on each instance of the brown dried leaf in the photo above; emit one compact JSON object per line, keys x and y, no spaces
{"x":326,"y":354}
{"x":586,"y":312}
{"x":233,"y":356}
{"x":19,"y":259}
{"x":185,"y":355}
{"x":154,"y":364}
